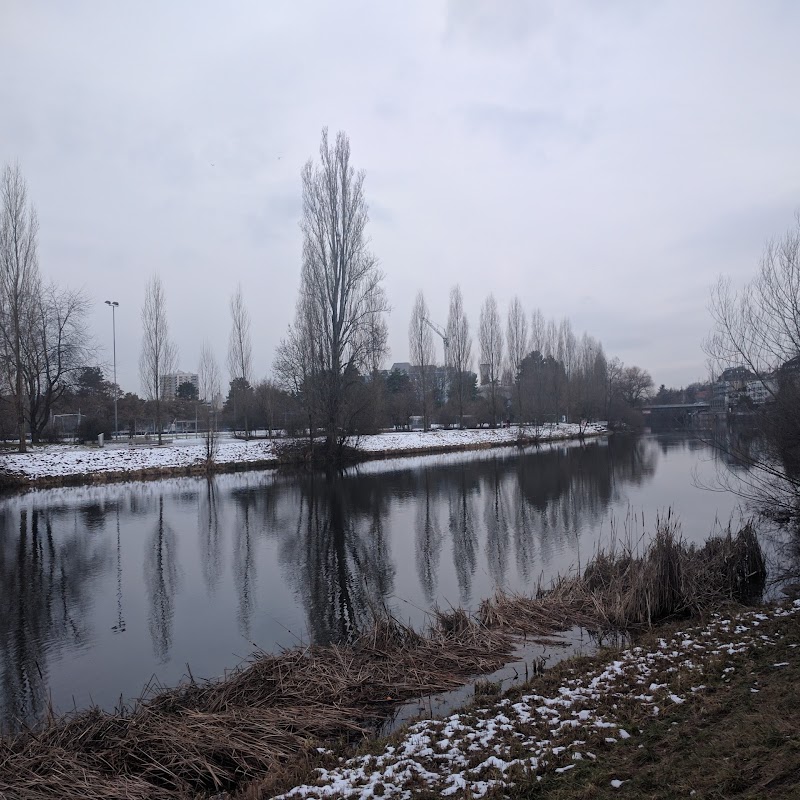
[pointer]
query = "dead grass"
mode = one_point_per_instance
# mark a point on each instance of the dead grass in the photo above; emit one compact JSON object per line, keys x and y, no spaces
{"x":630,"y":587}
{"x":216,"y":736}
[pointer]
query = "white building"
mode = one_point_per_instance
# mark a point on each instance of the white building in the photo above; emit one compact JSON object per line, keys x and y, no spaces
{"x":172,"y":380}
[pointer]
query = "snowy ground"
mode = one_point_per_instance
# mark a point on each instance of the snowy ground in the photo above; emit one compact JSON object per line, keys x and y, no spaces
{"x":55,"y":461}
{"x":419,"y":440}
{"x":67,"y":460}
{"x":467,"y":754}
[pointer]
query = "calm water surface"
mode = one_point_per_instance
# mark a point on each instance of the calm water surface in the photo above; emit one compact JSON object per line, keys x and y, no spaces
{"x":104,"y":588}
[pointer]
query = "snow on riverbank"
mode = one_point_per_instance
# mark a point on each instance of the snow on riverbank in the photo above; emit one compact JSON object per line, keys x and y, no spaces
{"x":419,"y":440}
{"x":469,"y":753}
{"x":67,"y":461}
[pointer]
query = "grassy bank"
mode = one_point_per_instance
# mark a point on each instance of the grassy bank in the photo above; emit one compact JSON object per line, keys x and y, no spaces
{"x":737,"y":737}
{"x":268,"y":719}
{"x":707,"y":711}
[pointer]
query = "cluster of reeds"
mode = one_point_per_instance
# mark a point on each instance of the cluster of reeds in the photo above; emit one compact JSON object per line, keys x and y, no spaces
{"x":639,"y":583}
{"x":207,"y":737}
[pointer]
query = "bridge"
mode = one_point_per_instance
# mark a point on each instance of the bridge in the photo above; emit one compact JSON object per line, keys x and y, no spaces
{"x":671,"y":414}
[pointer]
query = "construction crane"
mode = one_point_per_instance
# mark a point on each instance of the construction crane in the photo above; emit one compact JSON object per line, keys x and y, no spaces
{"x":445,"y":340}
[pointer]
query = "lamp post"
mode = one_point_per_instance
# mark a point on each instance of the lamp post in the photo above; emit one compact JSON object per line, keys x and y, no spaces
{"x":114,"y":304}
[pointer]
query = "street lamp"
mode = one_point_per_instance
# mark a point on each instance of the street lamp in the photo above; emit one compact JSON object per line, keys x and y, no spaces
{"x":114,"y":304}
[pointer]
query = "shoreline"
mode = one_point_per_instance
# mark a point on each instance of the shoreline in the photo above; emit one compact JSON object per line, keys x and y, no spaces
{"x":23,"y":479}
{"x":650,"y":718}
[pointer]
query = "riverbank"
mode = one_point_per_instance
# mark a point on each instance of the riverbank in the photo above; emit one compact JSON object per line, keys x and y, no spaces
{"x":67,"y":465}
{"x":269,"y":719}
{"x":710,"y":710}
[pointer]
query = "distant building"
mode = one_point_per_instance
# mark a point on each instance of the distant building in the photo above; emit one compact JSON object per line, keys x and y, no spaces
{"x":729,"y":388}
{"x":439,"y":377}
{"x":738,"y":386}
{"x":761,"y":391}
{"x":172,"y":380}
{"x":790,"y":370}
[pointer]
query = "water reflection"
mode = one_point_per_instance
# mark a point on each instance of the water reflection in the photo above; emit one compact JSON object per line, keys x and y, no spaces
{"x":46,"y":584}
{"x":338,"y":558}
{"x":208,"y":527}
{"x":269,"y":558}
{"x":161,"y":578}
{"x":119,"y":627}
{"x":428,"y":540}
{"x":244,"y":568}
{"x":462,"y":529}
{"x":497,"y":527}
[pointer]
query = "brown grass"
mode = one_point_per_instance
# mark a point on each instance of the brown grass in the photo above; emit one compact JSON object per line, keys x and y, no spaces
{"x":215,"y":736}
{"x":623,"y":590}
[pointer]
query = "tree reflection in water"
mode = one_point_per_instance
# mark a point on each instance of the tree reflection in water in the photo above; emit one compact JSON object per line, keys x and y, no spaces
{"x":462,"y":528}
{"x":339,"y":556}
{"x":332,"y":538}
{"x":45,"y":599}
{"x":162,"y":580}
{"x":523,"y":526}
{"x":244,"y":568}
{"x":210,"y":537}
{"x":496,"y":519}
{"x":428,"y":545}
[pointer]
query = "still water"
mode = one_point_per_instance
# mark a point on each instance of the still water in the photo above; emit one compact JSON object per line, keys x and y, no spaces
{"x":104,"y":588}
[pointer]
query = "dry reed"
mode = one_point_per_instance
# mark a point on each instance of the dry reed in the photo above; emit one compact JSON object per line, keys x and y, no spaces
{"x":637,"y":584}
{"x":208,"y":737}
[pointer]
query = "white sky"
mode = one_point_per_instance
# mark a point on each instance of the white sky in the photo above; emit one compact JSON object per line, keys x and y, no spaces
{"x":604,"y":161}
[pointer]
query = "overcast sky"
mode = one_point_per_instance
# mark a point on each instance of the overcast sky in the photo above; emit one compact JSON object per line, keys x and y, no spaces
{"x":604,"y":161}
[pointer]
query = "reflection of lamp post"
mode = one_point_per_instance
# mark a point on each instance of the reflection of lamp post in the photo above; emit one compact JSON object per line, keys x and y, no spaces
{"x":114,"y":304}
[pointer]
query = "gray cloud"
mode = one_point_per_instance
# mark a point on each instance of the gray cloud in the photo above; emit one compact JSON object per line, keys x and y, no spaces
{"x":604,"y":161}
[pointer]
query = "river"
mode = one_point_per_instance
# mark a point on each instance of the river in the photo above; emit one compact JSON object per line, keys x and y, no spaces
{"x":106,"y":589}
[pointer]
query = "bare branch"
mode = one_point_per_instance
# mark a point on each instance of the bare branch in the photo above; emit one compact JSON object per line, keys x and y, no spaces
{"x":158,"y":355}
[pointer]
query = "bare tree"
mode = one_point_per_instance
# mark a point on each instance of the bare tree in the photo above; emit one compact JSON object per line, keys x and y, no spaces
{"x":271,"y":403}
{"x":614,"y":370}
{"x":460,"y":346}
{"x":158,"y":355}
{"x":589,"y":380}
{"x":377,"y":331}
{"x":538,"y":332}
{"x":517,"y":342}
{"x":240,"y":355}
{"x":420,"y":348}
{"x":635,"y":385}
{"x":490,"y":336}
{"x":566,"y":350}
{"x":19,"y":285}
{"x":758,"y":328}
{"x":57,"y":347}
{"x":341,"y":294}
{"x":298,"y":364}
{"x":208,"y":378}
